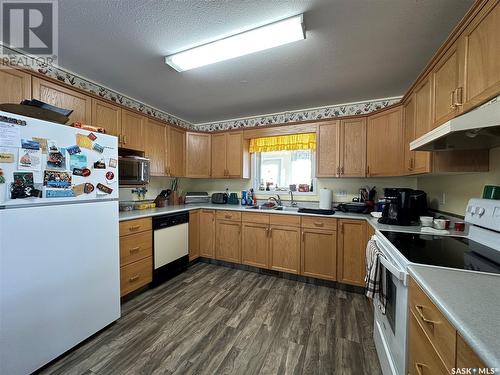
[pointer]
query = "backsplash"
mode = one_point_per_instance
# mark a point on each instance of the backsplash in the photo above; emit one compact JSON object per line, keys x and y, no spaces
{"x":287,"y":117}
{"x":458,"y":189}
{"x":156,"y":185}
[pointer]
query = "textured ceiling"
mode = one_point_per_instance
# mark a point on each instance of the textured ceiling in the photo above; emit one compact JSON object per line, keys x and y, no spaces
{"x":355,"y":50}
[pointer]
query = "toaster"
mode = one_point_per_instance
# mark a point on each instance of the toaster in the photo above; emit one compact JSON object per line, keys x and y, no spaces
{"x":219,"y":198}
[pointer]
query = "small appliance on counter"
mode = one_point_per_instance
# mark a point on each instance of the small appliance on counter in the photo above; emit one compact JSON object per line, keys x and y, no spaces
{"x":162,"y":199}
{"x":354,"y":207}
{"x":196,"y":197}
{"x":403,"y":206}
{"x":219,"y":198}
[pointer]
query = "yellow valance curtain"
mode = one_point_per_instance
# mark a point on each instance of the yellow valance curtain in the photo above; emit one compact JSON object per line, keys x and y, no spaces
{"x":305,"y":141}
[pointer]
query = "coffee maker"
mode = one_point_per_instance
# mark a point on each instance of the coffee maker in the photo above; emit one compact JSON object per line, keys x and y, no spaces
{"x":403,"y":206}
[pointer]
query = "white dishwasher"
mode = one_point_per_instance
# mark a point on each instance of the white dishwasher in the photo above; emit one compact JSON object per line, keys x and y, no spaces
{"x":170,"y":251}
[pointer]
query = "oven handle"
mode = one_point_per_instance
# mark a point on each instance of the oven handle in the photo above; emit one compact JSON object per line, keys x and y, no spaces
{"x":400,"y":275}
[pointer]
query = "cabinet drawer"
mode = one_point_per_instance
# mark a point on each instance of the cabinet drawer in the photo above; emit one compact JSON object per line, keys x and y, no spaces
{"x":254,"y":217}
{"x":423,"y":359}
{"x":291,"y":220}
{"x":319,"y":223}
{"x":135,"y":247}
{"x":228,"y":215}
{"x":439,"y":331}
{"x":135,"y":226}
{"x":135,"y":275}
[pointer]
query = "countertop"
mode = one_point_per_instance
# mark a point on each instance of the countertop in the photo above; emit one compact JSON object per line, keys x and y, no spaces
{"x":137,"y":214}
{"x":470,"y":301}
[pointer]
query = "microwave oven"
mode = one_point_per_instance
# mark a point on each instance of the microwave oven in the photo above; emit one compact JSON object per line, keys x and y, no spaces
{"x":133,"y":170}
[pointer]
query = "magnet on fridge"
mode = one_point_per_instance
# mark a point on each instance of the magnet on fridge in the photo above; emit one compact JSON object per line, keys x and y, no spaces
{"x":83,"y":141}
{"x":59,"y":193}
{"x":78,"y":189}
{"x":97,"y":147}
{"x":57,"y":179}
{"x":30,"y":144}
{"x":92,"y":136}
{"x":113,"y":163}
{"x":100,"y":164}
{"x":88,"y":188}
{"x":6,"y":157}
{"x":104,"y":189}
{"x":72,"y":150}
{"x":44,"y":143}
{"x":83,"y":172}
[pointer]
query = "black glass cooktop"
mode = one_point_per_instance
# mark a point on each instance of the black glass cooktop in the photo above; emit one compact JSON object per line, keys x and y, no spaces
{"x":452,"y":252}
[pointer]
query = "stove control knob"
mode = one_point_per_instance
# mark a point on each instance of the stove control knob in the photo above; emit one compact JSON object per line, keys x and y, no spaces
{"x":480,"y":211}
{"x":469,"y":209}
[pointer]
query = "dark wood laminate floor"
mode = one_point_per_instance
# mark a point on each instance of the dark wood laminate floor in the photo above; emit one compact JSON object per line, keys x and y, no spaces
{"x":218,"y":320}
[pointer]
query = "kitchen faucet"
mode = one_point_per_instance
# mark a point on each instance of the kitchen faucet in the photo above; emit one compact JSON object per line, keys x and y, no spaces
{"x":292,"y":201}
{"x":277,"y":200}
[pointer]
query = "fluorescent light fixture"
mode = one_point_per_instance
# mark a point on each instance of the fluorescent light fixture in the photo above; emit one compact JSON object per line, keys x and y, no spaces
{"x":259,"y":39}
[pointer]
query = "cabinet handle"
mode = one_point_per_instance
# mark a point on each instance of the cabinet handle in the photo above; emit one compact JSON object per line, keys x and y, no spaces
{"x":418,"y":368}
{"x":452,"y":99}
{"x":342,"y":170}
{"x":134,"y":278}
{"x":124,"y":139}
{"x":134,"y":249}
{"x":228,"y":216}
{"x":135,"y":227}
{"x":270,"y":232}
{"x":342,"y":228}
{"x":420,"y":312}
{"x":338,"y":171}
{"x":367,"y":170}
{"x":319,"y":223}
{"x":459,"y":92}
{"x":302,"y":235}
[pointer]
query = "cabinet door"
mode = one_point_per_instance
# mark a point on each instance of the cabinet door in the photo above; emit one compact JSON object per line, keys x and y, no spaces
{"x":198,"y":152}
{"x":409,"y":132}
{"x":155,"y":144}
{"x":132,"y":130}
{"x":234,"y":155}
{"x":228,"y":241}
{"x":285,"y":248}
{"x":319,"y":253}
{"x":63,"y":97}
{"x":422,"y":358}
{"x":207,"y":233}
{"x":385,"y":150}
{"x":353,"y":148}
{"x":218,"y":155}
{"x":107,"y":116}
{"x":16,"y":85}
{"x":445,"y":82}
{"x":327,"y":153}
{"x":194,"y":234}
{"x":351,"y":252}
{"x":480,"y":54}
{"x":422,"y":124}
{"x":255,"y":245}
{"x":466,"y":357}
{"x":176,"y":152}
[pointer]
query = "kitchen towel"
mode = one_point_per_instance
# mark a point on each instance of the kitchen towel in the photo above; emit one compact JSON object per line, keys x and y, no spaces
{"x":375,"y":287}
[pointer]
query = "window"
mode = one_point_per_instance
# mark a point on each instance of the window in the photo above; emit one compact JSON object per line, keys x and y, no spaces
{"x":284,"y":170}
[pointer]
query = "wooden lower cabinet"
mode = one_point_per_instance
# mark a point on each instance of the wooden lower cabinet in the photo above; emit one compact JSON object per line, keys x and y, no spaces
{"x":319,"y":253}
{"x":228,"y":241}
{"x":351,"y":250}
{"x":255,"y":244}
{"x":466,"y":358}
{"x":207,"y":233}
{"x":136,"y":254}
{"x":284,"y":248}
{"x":423,"y":359}
{"x":194,"y":235}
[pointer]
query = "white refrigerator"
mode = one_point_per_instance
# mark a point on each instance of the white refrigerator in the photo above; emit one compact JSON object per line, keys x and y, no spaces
{"x":59,"y":241}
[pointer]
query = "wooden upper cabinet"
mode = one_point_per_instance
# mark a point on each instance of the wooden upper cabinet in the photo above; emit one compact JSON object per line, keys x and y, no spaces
{"x":63,"y":97}
{"x":198,"y":155}
{"x":353,"y":147}
{"x":385,"y":142}
{"x":480,"y":53}
{"x":176,"y":140}
{"x":319,"y":253}
{"x":207,"y":233}
{"x":132,"y":130}
{"x":351,"y":250}
{"x":230,"y":157}
{"x":155,"y":146}
{"x":219,"y":155}
{"x":107,"y":116}
{"x":327,"y":153}
{"x":15,"y":85}
{"x":445,"y":83}
{"x":415,"y":161}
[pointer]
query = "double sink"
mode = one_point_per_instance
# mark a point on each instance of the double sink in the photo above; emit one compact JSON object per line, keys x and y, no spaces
{"x":275,"y":208}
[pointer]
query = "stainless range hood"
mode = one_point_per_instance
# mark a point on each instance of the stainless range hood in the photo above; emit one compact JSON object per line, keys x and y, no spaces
{"x":478,"y":129}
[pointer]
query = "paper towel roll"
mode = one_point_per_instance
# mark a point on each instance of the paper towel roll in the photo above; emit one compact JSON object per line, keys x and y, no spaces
{"x":325,"y":199}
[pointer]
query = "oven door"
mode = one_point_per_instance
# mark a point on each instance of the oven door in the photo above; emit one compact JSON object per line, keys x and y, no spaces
{"x":390,"y":327}
{"x":133,"y":171}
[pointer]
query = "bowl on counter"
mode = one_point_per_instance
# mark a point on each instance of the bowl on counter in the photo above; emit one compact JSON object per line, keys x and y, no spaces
{"x":439,"y":224}
{"x":426,"y":221}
